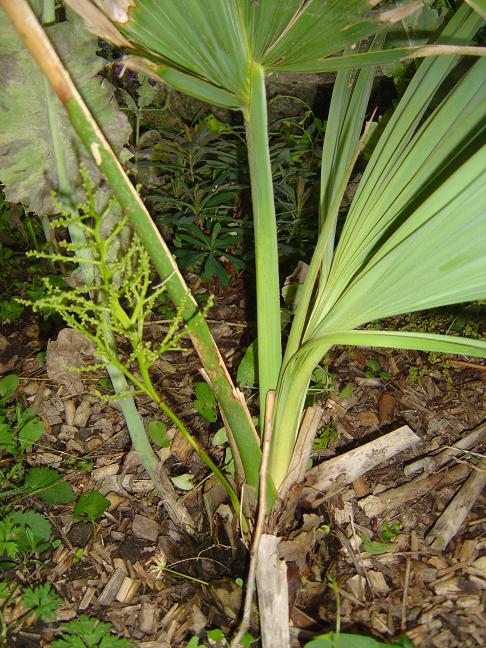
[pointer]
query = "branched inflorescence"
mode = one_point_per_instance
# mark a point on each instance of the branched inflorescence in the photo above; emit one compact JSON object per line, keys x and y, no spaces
{"x":115,"y":300}
{"x":118,"y":294}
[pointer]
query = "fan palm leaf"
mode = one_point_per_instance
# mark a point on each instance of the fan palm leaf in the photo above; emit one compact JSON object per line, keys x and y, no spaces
{"x":216,"y":41}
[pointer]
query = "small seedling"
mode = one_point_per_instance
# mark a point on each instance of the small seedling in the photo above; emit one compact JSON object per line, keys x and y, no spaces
{"x":8,"y":385}
{"x":247,"y":374}
{"x":390,"y":532}
{"x":205,"y":402}
{"x":220,"y":438}
{"x":338,"y":639}
{"x":48,"y":484}
{"x":24,"y":533}
{"x":183,"y":482}
{"x":323,"y":382}
{"x":91,"y":506}
{"x":158,"y":433}
{"x":346,"y":391}
{"x":217,"y":636}
{"x":345,"y":640}
{"x":375,"y":370}
{"x":327,"y":436}
{"x":105,"y":383}
{"x":159,"y":568}
{"x":375,"y":547}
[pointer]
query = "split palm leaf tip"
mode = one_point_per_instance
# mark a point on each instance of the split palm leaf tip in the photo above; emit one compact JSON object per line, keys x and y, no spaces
{"x":412,"y":239}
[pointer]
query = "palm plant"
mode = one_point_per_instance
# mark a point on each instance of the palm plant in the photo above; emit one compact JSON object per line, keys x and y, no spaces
{"x":410,"y":240}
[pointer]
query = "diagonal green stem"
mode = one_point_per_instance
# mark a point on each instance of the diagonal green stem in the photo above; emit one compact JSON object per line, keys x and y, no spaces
{"x":140,"y":442}
{"x":265,"y":228}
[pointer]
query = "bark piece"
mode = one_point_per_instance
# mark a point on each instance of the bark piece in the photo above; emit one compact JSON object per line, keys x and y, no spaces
{"x":147,"y":619}
{"x":71,"y":349}
{"x":368,"y":418}
{"x":99,"y":474}
{"x":128,"y":590}
{"x":83,"y":412}
{"x":69,"y":411}
{"x":271,"y":576}
{"x":87,"y":598}
{"x":386,"y":407}
{"x":145,"y":528}
{"x":377,"y":582}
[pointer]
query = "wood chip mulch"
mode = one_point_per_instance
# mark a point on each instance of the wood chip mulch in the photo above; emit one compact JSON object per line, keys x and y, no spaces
{"x":417,"y":581}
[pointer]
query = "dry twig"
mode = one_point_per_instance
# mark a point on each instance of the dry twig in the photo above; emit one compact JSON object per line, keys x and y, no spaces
{"x":250,"y":586}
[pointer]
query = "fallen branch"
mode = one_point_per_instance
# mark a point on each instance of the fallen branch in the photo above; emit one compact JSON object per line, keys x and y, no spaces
{"x":330,"y":476}
{"x":430,"y":463}
{"x":451,"y":520}
{"x":395,"y":498}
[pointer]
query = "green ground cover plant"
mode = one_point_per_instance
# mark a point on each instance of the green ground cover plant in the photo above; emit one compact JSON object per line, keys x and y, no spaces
{"x":89,"y":632}
{"x":24,"y":532}
{"x":40,"y":602}
{"x":202,"y":179}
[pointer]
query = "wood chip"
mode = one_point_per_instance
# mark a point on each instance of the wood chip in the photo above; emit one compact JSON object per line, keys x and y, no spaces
{"x":360,"y":487}
{"x":69,"y":411}
{"x":110,"y":590}
{"x":82,"y":415}
{"x":468,"y":550}
{"x":87,"y":598}
{"x":148,"y":617}
{"x":115,"y":500}
{"x":447,"y":587}
{"x":119,"y":563}
{"x":145,"y":528}
{"x":386,"y":407}
{"x":128,"y":590}
{"x":356,"y":586}
{"x":368,"y":419}
{"x":377,"y":582}
{"x":99,"y":474}
{"x":479,"y":566}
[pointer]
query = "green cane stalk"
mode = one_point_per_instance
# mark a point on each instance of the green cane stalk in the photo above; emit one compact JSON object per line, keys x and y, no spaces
{"x":265,"y":229}
{"x":84,"y":256}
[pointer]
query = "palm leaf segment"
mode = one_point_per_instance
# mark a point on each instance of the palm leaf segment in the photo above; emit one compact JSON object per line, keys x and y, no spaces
{"x":206,"y":49}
